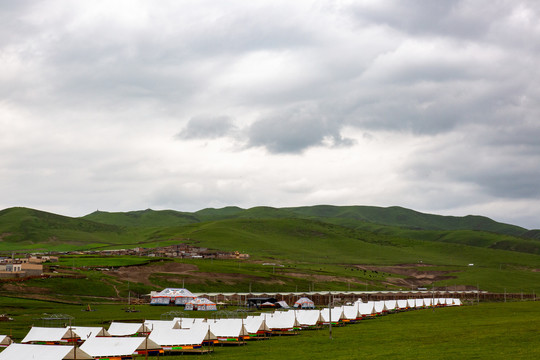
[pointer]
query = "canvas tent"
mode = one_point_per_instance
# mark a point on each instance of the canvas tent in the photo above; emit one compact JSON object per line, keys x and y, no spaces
{"x":128,"y":329}
{"x":182,"y":340}
{"x":309,"y":319}
{"x":351,"y":313}
{"x":50,"y":336}
{"x":121,"y":347}
{"x":304,"y":303}
{"x":226,"y":330}
{"x":380,"y":307}
{"x":268,"y":305}
{"x":283,"y":304}
{"x":283,"y":322}
{"x":367,"y":309}
{"x":200,"y":304}
{"x":172,"y":295}
{"x":256,"y":326}
{"x":5,"y":341}
{"x":334,"y":314}
{"x":43,"y":352}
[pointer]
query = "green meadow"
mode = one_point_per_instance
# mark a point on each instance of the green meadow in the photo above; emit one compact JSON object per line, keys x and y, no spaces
{"x":486,"y":331}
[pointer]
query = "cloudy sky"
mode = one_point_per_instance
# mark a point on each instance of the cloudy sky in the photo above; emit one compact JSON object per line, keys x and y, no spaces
{"x":128,"y":105}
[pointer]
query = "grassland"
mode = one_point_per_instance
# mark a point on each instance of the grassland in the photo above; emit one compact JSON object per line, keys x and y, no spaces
{"x":486,"y":331}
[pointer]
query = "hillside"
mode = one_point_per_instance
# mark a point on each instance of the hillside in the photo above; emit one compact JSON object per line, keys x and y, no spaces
{"x":29,"y":228}
{"x":347,"y":215}
{"x":309,"y":252}
{"x":22,"y":228}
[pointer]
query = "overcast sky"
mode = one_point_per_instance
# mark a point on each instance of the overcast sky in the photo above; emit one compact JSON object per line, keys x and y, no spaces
{"x":184,"y":105}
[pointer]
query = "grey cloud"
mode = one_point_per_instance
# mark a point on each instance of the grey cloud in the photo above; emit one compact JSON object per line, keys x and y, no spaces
{"x":417,"y":17}
{"x":205,"y":127}
{"x":506,"y":170}
{"x":295,"y":130}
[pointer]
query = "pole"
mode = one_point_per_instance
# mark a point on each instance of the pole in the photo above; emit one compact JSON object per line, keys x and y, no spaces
{"x":330,"y":319}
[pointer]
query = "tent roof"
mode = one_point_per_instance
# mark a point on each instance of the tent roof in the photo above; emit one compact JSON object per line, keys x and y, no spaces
{"x":109,"y":346}
{"x":225,"y":327}
{"x":173,"y":292}
{"x":126,"y":329}
{"x":48,"y":334}
{"x":41,"y":352}
{"x":304,"y":300}
{"x":174,"y":337}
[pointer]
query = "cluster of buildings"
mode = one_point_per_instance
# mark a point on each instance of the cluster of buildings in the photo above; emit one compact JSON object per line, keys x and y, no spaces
{"x":183,"y":251}
{"x":13,"y":268}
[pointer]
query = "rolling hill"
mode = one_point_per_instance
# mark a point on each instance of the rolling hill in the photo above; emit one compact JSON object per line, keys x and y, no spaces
{"x":334,"y":247}
{"x":22,"y":228}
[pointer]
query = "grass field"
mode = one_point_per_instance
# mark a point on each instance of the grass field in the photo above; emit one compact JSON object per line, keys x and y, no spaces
{"x":486,"y":331}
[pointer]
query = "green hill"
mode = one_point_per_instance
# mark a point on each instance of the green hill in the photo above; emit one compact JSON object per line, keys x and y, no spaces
{"x":350,"y":216}
{"x":406,"y":218}
{"x":23,"y":228}
{"x":143,"y":218}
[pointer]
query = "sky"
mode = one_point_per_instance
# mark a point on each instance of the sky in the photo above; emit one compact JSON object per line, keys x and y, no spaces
{"x":184,"y":105}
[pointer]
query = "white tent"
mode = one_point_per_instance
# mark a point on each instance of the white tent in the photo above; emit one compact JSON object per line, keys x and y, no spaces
{"x":188,"y":323}
{"x":200,"y":304}
{"x":127,"y":329}
{"x":309,"y":319}
{"x":175,"y":296}
{"x":456,"y":302}
{"x":380,"y":307}
{"x":304,"y":303}
{"x":182,"y":339}
{"x":391,"y":305}
{"x":428,"y":302}
{"x":85,"y":332}
{"x":283,"y":304}
{"x":367,"y":309}
{"x":441,"y":301}
{"x":43,"y":352}
{"x":256,"y":326}
{"x":282,"y":322}
{"x":402,"y":304}
{"x":351,"y":313}
{"x":120,"y":346}
{"x":5,"y":340}
{"x":49,"y":336}
{"x":226,"y":330}
{"x":335,"y":315}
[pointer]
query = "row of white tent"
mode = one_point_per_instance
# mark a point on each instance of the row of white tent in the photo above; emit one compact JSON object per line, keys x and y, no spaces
{"x":191,"y":334}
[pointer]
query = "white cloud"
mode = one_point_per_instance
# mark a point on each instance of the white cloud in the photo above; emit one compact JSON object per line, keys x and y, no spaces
{"x":427,"y":106}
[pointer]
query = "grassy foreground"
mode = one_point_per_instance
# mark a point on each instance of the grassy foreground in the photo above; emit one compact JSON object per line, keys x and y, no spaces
{"x":486,"y":331}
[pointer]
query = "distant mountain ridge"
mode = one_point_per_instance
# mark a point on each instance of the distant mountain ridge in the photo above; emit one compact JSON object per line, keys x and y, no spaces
{"x":23,"y":228}
{"x":390,"y":216}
